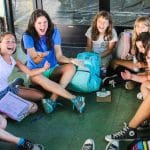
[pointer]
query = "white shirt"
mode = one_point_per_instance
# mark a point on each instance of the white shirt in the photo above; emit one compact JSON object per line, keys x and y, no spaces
{"x":5,"y":71}
{"x":100,"y":45}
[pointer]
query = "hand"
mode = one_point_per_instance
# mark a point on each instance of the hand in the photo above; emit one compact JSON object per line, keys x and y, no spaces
{"x":126,"y":75}
{"x":42,"y":54}
{"x":138,"y":65}
{"x":77,"y":62}
{"x":46,"y":65}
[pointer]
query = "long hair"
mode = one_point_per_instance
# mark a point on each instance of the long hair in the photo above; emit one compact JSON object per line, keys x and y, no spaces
{"x":31,"y":29}
{"x":146,"y":21}
{"x":95,"y":32}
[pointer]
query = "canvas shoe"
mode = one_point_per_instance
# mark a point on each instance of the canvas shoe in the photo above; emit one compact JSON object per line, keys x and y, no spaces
{"x":88,"y":145}
{"x":28,"y":145}
{"x":48,"y":105}
{"x":113,"y":145}
{"x":126,"y":134}
{"x":78,"y":103}
{"x":129,"y":85}
{"x":140,"y":96}
{"x":17,"y":82}
{"x":144,"y":125}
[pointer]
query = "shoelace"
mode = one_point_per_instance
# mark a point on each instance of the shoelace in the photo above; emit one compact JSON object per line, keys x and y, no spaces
{"x":121,"y":132}
{"x":87,"y":147}
{"x":112,"y":83}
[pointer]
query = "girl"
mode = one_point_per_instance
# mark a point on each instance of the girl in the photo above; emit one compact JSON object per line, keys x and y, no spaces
{"x":102,"y":37}
{"x":130,"y":131}
{"x":142,"y":24}
{"x":7,"y":48}
{"x":43,"y":43}
{"x":22,"y":144}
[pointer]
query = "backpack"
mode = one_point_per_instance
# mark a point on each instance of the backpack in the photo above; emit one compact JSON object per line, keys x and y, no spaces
{"x":123,"y":45}
{"x":87,"y":79}
{"x":140,"y":144}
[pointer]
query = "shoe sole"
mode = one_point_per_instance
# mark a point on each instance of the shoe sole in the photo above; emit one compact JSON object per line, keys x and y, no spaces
{"x":38,"y":147}
{"x":118,"y":140}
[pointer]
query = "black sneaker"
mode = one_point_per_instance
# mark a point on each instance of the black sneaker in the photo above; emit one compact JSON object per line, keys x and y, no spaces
{"x":27,"y":145}
{"x":110,"y":81}
{"x":17,"y":81}
{"x":126,"y":134}
{"x":144,"y":125}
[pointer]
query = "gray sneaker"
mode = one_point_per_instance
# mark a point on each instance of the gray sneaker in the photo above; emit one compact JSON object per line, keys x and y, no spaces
{"x":88,"y":145}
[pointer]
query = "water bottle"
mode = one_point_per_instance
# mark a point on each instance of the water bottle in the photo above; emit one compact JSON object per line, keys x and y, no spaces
{"x":134,"y":62}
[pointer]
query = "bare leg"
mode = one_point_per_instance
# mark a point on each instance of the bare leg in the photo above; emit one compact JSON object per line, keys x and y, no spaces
{"x":51,"y":86}
{"x":6,"y":136}
{"x":142,"y":113}
{"x":145,"y":88}
{"x":3,"y":122}
{"x":125,"y":63}
{"x":30,"y":94}
{"x":66,"y":72}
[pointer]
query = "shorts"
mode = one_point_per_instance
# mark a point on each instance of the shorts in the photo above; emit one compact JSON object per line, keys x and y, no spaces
{"x":48,"y":72}
{"x":10,"y":88}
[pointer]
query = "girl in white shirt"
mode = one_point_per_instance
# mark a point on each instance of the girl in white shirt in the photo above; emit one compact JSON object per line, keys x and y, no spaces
{"x":102,"y":37}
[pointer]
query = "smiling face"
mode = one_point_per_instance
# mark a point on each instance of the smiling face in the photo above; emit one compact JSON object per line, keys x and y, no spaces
{"x":102,"y":24}
{"x":41,"y":25}
{"x":8,"y":44}
{"x":141,"y":27}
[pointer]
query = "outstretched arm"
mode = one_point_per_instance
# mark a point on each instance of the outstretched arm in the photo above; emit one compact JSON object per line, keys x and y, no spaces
{"x":33,"y":72}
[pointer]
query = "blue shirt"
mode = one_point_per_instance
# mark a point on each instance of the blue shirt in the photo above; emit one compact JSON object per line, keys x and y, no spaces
{"x":40,"y":46}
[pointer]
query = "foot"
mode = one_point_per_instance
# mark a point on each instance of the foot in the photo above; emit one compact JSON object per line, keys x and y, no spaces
{"x":129,"y":85}
{"x":18,"y":81}
{"x":144,"y":125}
{"x":126,"y":134}
{"x":48,"y":105}
{"x":78,"y":103}
{"x":110,"y":81}
{"x":28,"y":145}
{"x":113,"y":145}
{"x":88,"y":145}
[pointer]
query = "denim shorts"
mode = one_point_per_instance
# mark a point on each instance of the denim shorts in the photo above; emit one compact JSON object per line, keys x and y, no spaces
{"x":10,"y":88}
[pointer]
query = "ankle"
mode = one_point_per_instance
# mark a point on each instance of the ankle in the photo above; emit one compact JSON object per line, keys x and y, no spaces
{"x":21,"y":141}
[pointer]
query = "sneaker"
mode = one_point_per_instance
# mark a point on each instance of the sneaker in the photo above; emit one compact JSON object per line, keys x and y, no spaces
{"x":78,"y":103}
{"x":144,"y":125}
{"x":28,"y":145}
{"x":110,"y":80}
{"x":17,"y":81}
{"x":125,"y":134}
{"x":139,"y":96}
{"x":48,"y":105}
{"x":113,"y":145}
{"x":88,"y":145}
{"x":129,"y":85}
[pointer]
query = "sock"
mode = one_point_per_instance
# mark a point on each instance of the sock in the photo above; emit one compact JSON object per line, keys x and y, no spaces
{"x":21,"y":141}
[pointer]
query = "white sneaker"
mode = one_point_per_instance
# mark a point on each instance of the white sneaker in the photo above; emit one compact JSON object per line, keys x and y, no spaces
{"x":88,"y":145}
{"x":103,"y":93}
{"x":113,"y":145}
{"x":139,"y":96}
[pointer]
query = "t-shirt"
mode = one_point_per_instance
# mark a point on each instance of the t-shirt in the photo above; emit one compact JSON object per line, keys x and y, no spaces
{"x":5,"y":71}
{"x":100,"y":45}
{"x":40,"y":46}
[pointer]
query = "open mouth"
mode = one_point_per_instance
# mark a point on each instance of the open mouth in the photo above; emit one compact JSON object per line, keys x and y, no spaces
{"x":10,"y":49}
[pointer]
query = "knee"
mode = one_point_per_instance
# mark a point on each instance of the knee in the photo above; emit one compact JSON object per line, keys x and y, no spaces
{"x":3,"y":122}
{"x":71,"y":68}
{"x":33,"y":109}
